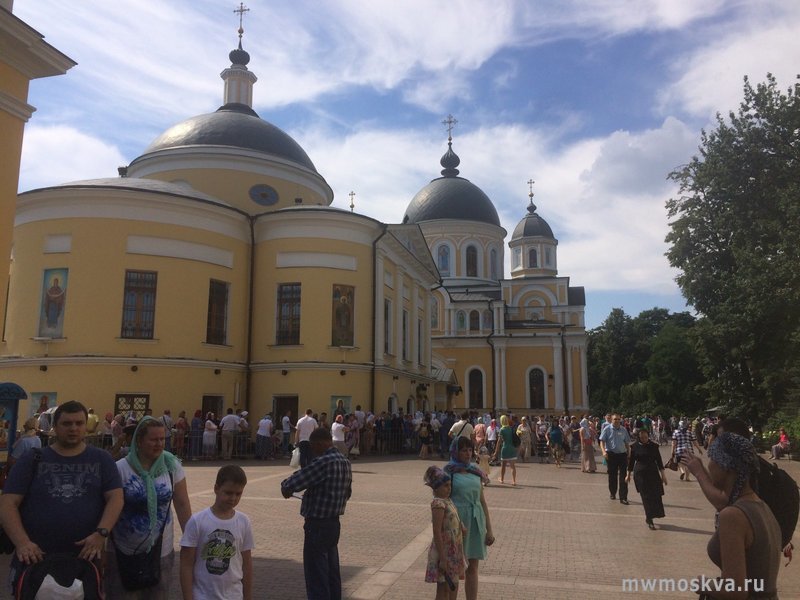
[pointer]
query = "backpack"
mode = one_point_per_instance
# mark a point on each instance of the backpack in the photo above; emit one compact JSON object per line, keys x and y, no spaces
{"x":515,"y":441}
{"x":64,"y":569}
{"x":779,"y":491}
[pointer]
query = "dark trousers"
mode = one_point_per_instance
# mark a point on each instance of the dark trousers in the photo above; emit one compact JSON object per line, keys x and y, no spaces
{"x":321,"y":559}
{"x":305,"y":452}
{"x":617,"y":469}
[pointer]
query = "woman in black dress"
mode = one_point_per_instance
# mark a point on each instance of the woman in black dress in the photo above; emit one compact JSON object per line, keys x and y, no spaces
{"x":647,"y":468}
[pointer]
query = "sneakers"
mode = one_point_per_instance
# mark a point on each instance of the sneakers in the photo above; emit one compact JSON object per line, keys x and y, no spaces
{"x":624,"y":501}
{"x":613,"y":496}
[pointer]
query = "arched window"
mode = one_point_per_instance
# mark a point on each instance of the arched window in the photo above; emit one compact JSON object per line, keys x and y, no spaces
{"x":472,"y":261}
{"x":475,"y":388}
{"x":434,"y":313}
{"x":536,"y":388}
{"x":516,"y":258}
{"x":493,"y":264}
{"x":533,"y":261}
{"x":443,"y":258}
{"x":487,"y":320}
{"x":461,"y":321}
{"x":474,"y":321}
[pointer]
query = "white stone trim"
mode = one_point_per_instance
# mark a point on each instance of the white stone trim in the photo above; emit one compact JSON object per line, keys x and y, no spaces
{"x":57,"y":243}
{"x":465,"y":386}
{"x":171,"y":248}
{"x":108,"y":203}
{"x":230,"y":159}
{"x":527,"y":386}
{"x":316,"y":260}
{"x":16,"y":107}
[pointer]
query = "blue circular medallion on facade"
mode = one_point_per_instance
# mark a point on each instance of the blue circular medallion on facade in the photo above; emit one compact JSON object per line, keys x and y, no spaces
{"x":264,"y":194}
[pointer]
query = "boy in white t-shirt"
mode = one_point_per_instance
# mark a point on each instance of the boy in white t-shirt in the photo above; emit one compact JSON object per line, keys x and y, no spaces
{"x":216,"y":558}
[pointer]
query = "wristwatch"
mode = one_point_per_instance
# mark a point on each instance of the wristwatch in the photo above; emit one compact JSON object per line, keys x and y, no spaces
{"x":102,"y":531}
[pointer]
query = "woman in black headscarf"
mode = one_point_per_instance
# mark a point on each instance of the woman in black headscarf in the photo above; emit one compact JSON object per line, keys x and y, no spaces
{"x":647,"y":468}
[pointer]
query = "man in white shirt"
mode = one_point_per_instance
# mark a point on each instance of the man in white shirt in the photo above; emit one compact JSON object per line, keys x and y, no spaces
{"x":286,"y":429}
{"x":462,"y":427}
{"x":264,"y":439}
{"x":229,"y":426}
{"x":303,"y":428}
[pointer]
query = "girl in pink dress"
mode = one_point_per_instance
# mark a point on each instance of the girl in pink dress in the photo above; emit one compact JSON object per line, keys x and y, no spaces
{"x":446,"y":562}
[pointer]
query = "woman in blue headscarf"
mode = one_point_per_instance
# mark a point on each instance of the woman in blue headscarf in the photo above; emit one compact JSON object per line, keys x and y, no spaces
{"x":467,"y":494}
{"x":152,"y":480}
{"x":747,"y":542}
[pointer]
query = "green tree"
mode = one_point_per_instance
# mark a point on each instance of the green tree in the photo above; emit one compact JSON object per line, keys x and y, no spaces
{"x":609,"y":355}
{"x":674,"y":378}
{"x":735,"y":237}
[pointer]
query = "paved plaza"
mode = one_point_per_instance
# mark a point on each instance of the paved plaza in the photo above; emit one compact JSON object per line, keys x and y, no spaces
{"x":554,"y":531}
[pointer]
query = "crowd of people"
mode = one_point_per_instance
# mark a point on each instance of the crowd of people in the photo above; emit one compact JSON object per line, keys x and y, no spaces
{"x":129,"y":489}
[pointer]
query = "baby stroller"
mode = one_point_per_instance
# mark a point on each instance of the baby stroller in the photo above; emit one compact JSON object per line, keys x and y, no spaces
{"x":61,"y":576}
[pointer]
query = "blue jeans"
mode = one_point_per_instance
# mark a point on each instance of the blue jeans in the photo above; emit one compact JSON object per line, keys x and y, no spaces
{"x":285,"y":446}
{"x":321,"y":559}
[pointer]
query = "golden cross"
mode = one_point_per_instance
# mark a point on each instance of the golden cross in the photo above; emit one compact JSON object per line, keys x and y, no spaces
{"x":352,"y":195}
{"x":241,"y":10}
{"x":449,"y":122}
{"x":530,"y":186}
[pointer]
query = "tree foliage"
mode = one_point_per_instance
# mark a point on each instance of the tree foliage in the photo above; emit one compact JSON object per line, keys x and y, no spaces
{"x":735,"y":237}
{"x":644,"y":364}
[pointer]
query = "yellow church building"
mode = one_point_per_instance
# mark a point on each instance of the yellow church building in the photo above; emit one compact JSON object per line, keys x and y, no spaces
{"x":213,"y":273}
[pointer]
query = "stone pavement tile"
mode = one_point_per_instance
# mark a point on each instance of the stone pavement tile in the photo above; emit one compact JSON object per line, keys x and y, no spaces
{"x":553,"y":533}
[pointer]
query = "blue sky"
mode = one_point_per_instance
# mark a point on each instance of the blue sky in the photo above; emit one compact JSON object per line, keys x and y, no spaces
{"x":596,"y":100}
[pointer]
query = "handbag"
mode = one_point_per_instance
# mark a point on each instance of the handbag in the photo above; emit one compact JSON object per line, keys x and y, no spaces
{"x":295,"y":460}
{"x":142,"y":570}
{"x":671,"y":464}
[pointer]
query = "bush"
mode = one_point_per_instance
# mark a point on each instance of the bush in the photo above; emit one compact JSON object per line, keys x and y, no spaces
{"x":769,"y":437}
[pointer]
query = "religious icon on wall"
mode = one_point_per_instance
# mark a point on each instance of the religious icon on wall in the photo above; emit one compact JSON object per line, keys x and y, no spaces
{"x":41,"y":401}
{"x":342,"y":318}
{"x":54,"y":296}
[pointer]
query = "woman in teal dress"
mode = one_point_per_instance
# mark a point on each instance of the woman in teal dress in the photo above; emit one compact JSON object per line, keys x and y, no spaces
{"x":467,"y":494}
{"x":506,"y":450}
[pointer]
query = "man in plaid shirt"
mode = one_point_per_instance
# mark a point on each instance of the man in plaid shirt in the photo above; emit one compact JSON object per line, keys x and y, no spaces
{"x":682,"y":440}
{"x":327,"y":480}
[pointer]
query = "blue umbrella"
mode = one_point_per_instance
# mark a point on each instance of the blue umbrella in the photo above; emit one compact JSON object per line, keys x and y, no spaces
{"x":11,"y":391}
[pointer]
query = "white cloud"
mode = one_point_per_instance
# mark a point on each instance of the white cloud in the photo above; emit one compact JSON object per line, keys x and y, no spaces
{"x":608,"y":239}
{"x":58,"y":154}
{"x":603,"y":196}
{"x":634,"y":164}
{"x":710,"y":78}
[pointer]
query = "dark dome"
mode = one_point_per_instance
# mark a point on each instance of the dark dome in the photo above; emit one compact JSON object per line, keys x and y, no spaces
{"x":532,"y":226}
{"x":235,"y":125}
{"x":451,"y":197}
